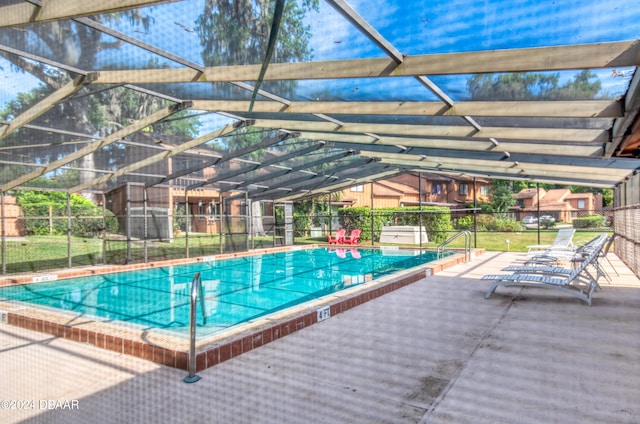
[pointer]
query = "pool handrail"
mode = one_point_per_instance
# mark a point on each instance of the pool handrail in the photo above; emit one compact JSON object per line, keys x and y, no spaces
{"x":467,"y":244}
{"x":196,"y":288}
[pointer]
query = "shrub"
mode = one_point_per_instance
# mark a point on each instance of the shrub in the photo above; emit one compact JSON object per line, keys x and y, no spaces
{"x":351,"y":218}
{"x":464,"y":223}
{"x":301,"y":224}
{"x":437,"y":221}
{"x":505,"y":225}
{"x":547,"y":223}
{"x":591,"y":221}
{"x":485,"y":221}
{"x":86,"y":218}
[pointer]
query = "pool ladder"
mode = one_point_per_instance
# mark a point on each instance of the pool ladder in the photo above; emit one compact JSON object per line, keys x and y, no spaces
{"x":467,"y":244}
{"x":196,"y":289}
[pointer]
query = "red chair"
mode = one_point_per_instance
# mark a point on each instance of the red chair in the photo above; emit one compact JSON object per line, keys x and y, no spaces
{"x":353,"y":238}
{"x":338,"y":238}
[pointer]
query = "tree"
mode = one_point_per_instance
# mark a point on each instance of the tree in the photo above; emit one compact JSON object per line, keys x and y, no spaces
{"x":501,"y":196}
{"x":607,"y":197}
{"x":93,"y":113}
{"x":236,"y":32}
{"x":524,"y":86}
{"x":533,"y":86}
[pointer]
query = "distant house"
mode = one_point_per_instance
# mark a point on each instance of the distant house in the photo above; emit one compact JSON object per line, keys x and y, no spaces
{"x":559,"y":203}
{"x":199,"y":209}
{"x":412,"y":190}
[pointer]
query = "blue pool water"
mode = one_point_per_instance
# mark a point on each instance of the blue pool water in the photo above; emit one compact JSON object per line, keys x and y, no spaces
{"x":236,"y":290}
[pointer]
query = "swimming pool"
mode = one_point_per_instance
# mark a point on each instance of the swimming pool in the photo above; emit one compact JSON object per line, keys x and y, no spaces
{"x":236,"y":290}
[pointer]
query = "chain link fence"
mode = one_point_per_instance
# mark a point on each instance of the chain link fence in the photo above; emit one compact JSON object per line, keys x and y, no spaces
{"x":139,"y":225}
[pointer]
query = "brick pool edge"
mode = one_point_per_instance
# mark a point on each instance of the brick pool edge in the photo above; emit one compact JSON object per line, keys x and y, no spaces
{"x":212,"y":352}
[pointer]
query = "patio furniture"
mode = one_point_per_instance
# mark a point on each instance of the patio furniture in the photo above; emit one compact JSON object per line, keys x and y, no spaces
{"x":553,"y":257}
{"x":579,"y":258}
{"x":353,"y":238}
{"x":578,"y":282}
{"x":563,"y":241}
{"x":545,"y":268}
{"x":338,"y":238}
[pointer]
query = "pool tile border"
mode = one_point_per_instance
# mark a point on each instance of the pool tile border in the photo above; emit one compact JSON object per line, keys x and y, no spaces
{"x":173,"y":352}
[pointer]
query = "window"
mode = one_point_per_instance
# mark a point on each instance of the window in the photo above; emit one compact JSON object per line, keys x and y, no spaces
{"x":463,"y":189}
{"x":358,"y":188}
{"x":484,"y":190}
{"x":202,"y":210}
{"x":214,"y":210}
{"x":581,"y":204}
{"x":436,"y":188}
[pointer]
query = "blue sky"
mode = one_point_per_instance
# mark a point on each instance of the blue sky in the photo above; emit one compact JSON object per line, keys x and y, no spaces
{"x":414,"y":27}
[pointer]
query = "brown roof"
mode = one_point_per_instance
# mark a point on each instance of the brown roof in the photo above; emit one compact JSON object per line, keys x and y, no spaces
{"x":555,"y":195}
{"x":403,"y":188}
{"x":385,"y":190}
{"x":528,"y":193}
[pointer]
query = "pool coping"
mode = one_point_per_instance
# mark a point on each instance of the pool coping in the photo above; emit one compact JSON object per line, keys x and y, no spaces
{"x":173,"y":351}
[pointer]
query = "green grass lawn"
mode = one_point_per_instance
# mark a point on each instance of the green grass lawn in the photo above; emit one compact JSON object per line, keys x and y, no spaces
{"x":494,"y":241}
{"x":40,"y":253}
{"x":518,"y":242}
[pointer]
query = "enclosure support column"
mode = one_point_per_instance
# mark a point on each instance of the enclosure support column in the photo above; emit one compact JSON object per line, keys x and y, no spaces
{"x":2,"y":230}
{"x":145,"y":229}
{"x":69,"y":264}
{"x":104,"y":229}
{"x":273,"y":211}
{"x":128,"y":220}
{"x":538,"y":194}
{"x":188,"y":224}
{"x":420,"y":207}
{"x":330,"y":217}
{"x":220,"y":220}
{"x":248,"y":216}
{"x":475,"y":212}
{"x":372,"y":217}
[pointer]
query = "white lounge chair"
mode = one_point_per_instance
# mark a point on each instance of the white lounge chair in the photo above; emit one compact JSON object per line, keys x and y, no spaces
{"x":577,"y":259}
{"x":582,"y":253}
{"x":558,"y":255}
{"x":563,"y":241}
{"x":577,"y":282}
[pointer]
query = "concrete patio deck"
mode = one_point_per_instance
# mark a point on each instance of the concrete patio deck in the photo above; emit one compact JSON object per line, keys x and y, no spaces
{"x":435,"y":351}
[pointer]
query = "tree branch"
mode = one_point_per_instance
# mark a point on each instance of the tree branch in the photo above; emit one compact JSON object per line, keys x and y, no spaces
{"x":35,"y":70}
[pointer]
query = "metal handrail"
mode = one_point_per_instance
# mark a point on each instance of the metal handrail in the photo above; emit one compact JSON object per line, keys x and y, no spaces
{"x":196,"y":288}
{"x":467,"y":244}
